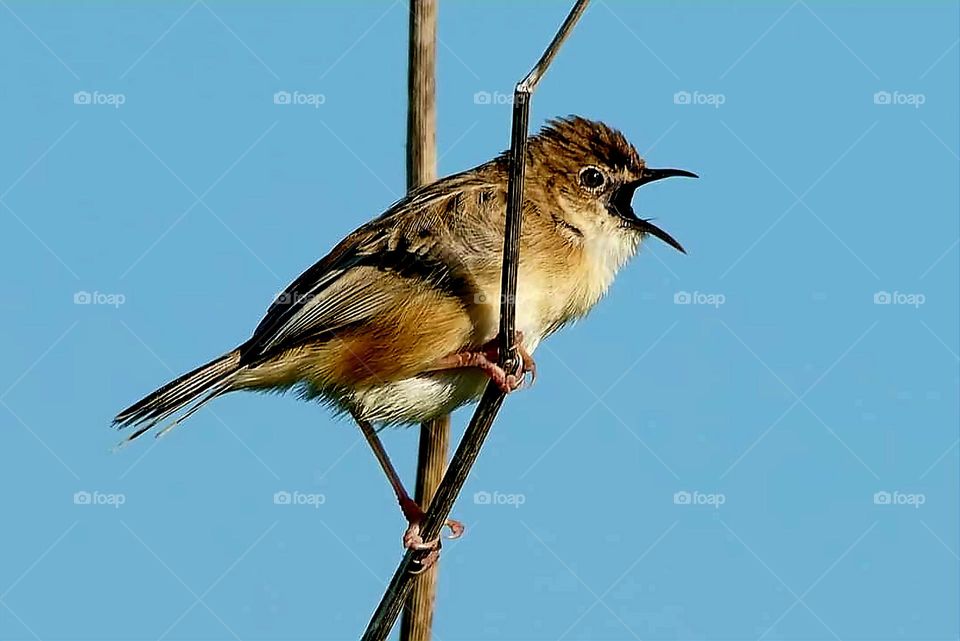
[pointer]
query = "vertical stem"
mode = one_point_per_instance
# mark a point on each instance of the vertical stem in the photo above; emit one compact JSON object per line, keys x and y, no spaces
{"x":417,"y":619}
{"x":403,"y":582}
{"x":421,"y":94}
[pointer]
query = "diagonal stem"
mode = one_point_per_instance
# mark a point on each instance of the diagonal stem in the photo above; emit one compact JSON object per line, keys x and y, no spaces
{"x":392,"y":601}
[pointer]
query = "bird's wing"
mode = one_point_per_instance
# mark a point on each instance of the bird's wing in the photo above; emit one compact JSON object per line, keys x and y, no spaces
{"x":411,"y":240}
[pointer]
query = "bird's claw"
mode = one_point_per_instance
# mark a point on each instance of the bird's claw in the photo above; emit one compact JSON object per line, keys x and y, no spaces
{"x":487,"y":360}
{"x":413,"y":540}
{"x":525,"y":365}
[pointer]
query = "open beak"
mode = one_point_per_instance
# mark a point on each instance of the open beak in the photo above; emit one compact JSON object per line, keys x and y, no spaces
{"x":624,"y":195}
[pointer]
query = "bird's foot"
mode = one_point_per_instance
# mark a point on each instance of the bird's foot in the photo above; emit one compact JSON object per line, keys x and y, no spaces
{"x":509,"y":382}
{"x":486,"y":360}
{"x":412,"y":540}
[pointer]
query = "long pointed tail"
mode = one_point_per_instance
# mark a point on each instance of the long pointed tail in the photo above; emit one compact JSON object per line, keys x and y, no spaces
{"x":196,"y":388}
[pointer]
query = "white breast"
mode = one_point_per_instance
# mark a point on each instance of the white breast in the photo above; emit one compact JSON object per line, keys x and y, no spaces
{"x":417,"y":399}
{"x":606,"y":254}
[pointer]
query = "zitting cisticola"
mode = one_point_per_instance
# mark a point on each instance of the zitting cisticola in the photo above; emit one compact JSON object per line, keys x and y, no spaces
{"x":397,"y":324}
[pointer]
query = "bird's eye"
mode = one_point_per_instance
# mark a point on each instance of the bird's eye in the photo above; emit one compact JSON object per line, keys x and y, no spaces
{"x":591,"y":177}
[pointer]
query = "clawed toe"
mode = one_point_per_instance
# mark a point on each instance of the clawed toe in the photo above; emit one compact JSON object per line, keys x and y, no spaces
{"x":424,"y":564}
{"x":525,"y":365}
{"x":413,"y":540}
{"x":486,"y":359}
{"x":456,"y":529}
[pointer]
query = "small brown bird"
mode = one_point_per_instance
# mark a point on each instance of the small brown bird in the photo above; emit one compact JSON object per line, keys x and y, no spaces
{"x":398,"y":324}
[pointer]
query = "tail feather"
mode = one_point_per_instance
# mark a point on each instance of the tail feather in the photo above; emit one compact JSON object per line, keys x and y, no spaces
{"x":196,"y":388}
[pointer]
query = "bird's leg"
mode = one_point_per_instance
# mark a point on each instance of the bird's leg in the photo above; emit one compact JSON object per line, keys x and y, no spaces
{"x":486,"y":359}
{"x":411,"y":510}
{"x":526,"y":366}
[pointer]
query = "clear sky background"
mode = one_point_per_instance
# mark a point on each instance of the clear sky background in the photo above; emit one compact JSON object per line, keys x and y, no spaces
{"x":781,"y":399}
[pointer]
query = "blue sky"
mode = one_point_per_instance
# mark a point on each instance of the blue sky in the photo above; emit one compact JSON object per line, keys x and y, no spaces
{"x":758,"y":440}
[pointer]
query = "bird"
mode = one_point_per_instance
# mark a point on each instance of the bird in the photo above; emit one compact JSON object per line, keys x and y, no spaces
{"x":398,"y":323}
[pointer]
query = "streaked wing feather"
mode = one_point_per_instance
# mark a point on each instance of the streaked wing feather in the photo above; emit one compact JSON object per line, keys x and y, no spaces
{"x":305,"y":290}
{"x":350,"y":298}
{"x":338,"y":290}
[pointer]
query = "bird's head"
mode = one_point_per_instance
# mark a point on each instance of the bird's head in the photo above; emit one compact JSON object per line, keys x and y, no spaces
{"x":589,"y":173}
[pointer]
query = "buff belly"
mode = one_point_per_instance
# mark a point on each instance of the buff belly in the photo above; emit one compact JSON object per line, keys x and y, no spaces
{"x":416,"y":399}
{"x":321,"y":372}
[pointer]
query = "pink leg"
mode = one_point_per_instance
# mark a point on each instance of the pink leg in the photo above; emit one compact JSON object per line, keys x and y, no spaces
{"x":485,"y":359}
{"x":411,"y":511}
